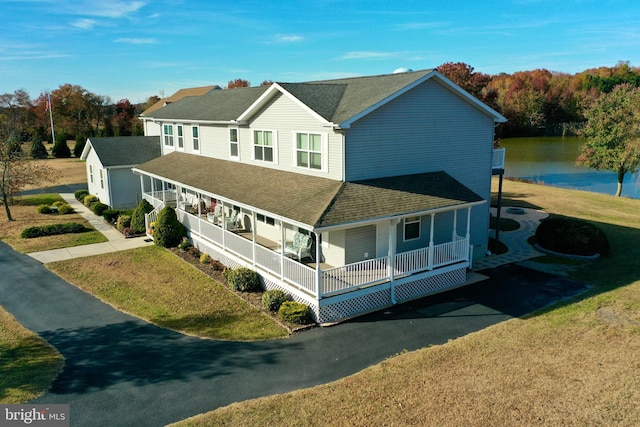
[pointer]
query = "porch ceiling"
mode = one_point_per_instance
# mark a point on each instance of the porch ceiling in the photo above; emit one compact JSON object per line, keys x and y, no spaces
{"x":318,"y":202}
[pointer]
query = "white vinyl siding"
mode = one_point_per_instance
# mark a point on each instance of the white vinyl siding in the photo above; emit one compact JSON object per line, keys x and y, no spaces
{"x":288,"y":118}
{"x":447,"y":134}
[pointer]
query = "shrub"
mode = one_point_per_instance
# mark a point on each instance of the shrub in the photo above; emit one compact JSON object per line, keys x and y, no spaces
{"x":65,"y":209}
{"x":169,"y":231}
{"x":53,"y":229}
{"x":60,"y":149}
{"x":38,"y":150}
{"x":184,"y":244}
{"x":273,"y":299}
{"x":204,"y":258}
{"x":137,"y":218}
{"x":572,"y":236}
{"x":89,"y":199}
{"x":98,"y":208}
{"x":43,"y":209}
{"x":123,"y":222}
{"x":242,"y":279}
{"x":57,"y":203}
{"x":80,"y":195}
{"x":110,"y":215}
{"x":128,"y":232}
{"x":295,"y":312}
{"x":217,"y":265}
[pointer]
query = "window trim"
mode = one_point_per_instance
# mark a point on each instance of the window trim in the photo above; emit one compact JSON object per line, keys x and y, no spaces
{"x":324,"y":152}
{"x":101,"y":179}
{"x":236,"y":142}
{"x":410,"y":221}
{"x":195,"y":139}
{"x":91,"y":173}
{"x":274,"y":146}
{"x":168,"y":137}
{"x":180,"y":137}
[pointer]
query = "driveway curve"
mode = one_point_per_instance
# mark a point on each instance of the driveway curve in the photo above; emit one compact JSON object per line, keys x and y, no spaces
{"x":120,"y":370}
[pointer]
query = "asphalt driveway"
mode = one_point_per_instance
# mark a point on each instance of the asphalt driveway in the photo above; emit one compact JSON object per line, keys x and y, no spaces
{"x":120,"y":370}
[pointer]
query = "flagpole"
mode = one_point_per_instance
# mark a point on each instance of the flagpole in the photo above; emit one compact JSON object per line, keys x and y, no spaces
{"x":53,"y":133}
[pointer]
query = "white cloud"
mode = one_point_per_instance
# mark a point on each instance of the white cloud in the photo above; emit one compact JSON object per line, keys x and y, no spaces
{"x":288,"y":38}
{"x":106,"y":8}
{"x":84,"y":24}
{"x":136,"y":41}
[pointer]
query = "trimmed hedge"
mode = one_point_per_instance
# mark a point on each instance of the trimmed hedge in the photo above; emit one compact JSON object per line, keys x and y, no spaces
{"x":137,"y":218}
{"x":43,"y":209}
{"x":65,"y":209}
{"x":124,"y":221}
{"x":572,"y":237}
{"x":110,"y":215}
{"x":53,"y":229}
{"x":273,"y":299}
{"x":89,"y":199}
{"x":80,"y":195}
{"x":242,"y":279}
{"x":99,"y":208}
{"x":295,"y":312}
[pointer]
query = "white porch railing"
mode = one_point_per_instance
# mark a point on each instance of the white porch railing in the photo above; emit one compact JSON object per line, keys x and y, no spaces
{"x":333,"y":280}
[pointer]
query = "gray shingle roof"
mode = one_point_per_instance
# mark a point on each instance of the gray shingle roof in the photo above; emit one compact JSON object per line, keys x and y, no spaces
{"x":217,"y":105}
{"x":334,"y":100}
{"x":126,"y":150}
{"x":318,"y":202}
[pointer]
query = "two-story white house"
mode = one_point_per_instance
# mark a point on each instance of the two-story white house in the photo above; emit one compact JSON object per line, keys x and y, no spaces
{"x":349,"y":194}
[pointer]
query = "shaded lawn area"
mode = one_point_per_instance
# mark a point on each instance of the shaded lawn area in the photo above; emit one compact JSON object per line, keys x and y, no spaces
{"x":25,"y":214}
{"x":155,"y":285}
{"x":28,"y":365}
{"x":573,"y":364}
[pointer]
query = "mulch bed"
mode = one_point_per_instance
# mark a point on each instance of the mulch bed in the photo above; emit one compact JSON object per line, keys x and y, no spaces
{"x":214,"y":270}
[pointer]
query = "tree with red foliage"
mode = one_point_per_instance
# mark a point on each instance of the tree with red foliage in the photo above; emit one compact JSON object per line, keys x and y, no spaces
{"x":238,"y":83}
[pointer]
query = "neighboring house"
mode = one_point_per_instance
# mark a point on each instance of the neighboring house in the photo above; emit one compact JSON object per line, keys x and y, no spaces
{"x":350,"y":194}
{"x":182,"y":93}
{"x":109,"y":162}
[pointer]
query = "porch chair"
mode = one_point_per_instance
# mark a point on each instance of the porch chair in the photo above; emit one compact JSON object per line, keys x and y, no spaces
{"x":233,"y":222}
{"x":299,"y":247}
{"x":214,"y":216}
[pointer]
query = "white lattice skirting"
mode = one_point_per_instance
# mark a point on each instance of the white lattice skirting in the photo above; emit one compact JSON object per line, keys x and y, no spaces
{"x":356,"y":303}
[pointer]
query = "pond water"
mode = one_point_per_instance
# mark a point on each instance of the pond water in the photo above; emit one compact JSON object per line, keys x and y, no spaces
{"x":551,"y":161}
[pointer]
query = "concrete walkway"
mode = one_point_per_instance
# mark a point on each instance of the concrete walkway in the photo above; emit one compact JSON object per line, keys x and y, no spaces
{"x":516,"y":240}
{"x":117,"y":241}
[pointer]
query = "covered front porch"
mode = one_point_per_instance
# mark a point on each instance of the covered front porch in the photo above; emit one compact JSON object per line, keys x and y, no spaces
{"x":266,"y":244}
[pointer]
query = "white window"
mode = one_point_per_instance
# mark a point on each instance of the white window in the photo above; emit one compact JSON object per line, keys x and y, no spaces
{"x":309,"y":150}
{"x":167,"y":131}
{"x":195,"y":138}
{"x":101,"y":179}
{"x":180,"y":137}
{"x":234,"y":144}
{"x":91,"y":173}
{"x":412,"y":228}
{"x":263,"y":145}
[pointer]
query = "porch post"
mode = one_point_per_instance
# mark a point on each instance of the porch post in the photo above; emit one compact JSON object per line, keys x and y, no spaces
{"x":318,"y":270}
{"x":430,"y":266}
{"x":454,"y":233}
{"x":253,"y":236}
{"x":283,"y":234}
{"x":468,"y":236}
{"x":393,"y":239}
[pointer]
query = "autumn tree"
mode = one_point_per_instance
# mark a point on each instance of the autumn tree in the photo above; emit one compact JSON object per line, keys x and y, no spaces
{"x":612,"y":133}
{"x":238,"y":83}
{"x":471,"y":81}
{"x":124,"y":118}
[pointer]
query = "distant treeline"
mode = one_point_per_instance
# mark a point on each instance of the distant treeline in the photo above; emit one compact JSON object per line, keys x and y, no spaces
{"x":541,"y":102}
{"x":536,"y":103}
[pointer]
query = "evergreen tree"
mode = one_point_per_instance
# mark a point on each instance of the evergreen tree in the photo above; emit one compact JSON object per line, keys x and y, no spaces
{"x":38,"y":150}
{"x":169,"y":231}
{"x":137,"y":218}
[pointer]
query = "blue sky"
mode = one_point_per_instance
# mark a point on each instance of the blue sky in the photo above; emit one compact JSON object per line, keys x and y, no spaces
{"x":135,"y":49}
